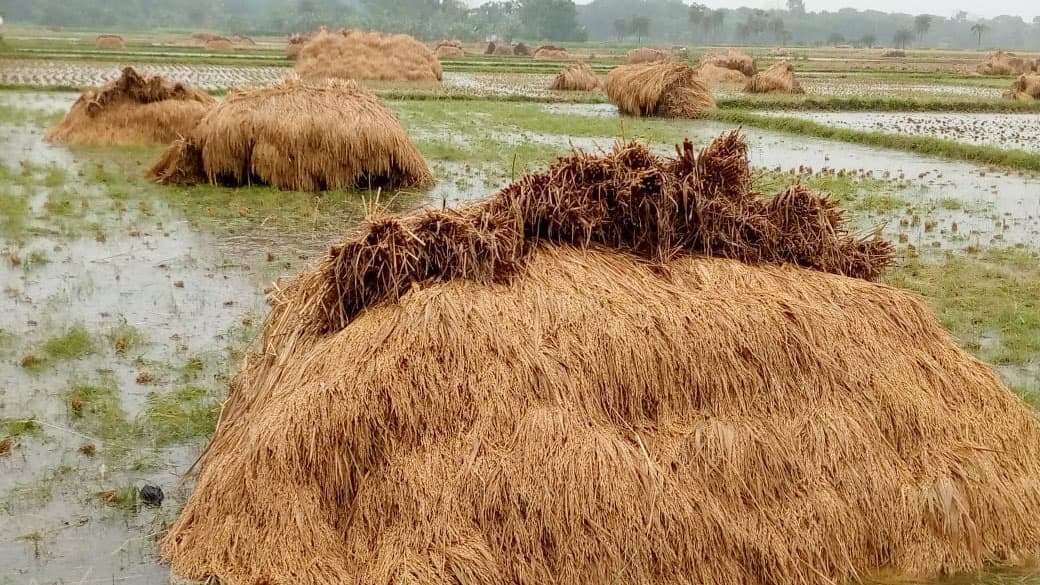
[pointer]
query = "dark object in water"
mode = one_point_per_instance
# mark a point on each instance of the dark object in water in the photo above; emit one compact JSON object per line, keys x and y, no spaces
{"x":152,"y":495}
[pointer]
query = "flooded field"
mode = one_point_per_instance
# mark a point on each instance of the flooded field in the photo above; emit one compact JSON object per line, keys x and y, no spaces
{"x":127,"y":306}
{"x":1010,"y":131}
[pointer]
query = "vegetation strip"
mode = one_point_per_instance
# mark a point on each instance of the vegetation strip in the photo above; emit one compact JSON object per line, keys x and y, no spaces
{"x":924,"y":145}
{"x":879,"y":104}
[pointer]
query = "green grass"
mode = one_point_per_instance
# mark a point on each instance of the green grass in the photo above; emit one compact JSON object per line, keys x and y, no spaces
{"x":186,"y":413}
{"x":19,"y":427}
{"x":97,"y":411}
{"x":76,"y":342}
{"x":125,"y":338}
{"x":923,"y":145}
{"x":14,"y":214}
{"x":900,"y":103}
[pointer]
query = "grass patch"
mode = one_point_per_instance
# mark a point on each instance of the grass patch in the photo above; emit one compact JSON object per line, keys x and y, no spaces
{"x":125,"y":337}
{"x":19,"y":427}
{"x":923,"y":145}
{"x":186,"y":413}
{"x":75,"y":343}
{"x":14,"y":214}
{"x":877,"y":104}
{"x":97,"y":411}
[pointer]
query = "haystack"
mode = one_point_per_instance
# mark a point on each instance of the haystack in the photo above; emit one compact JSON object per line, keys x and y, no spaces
{"x":732,"y":59}
{"x":645,"y":55}
{"x":449,"y":52}
{"x":714,"y":74}
{"x":297,"y":136}
{"x":779,"y":78}
{"x":894,"y":53}
{"x":132,"y":110}
{"x":490,"y":50}
{"x":240,"y":39}
{"x":503,"y":50}
{"x":361,"y":55}
{"x":205,"y":36}
{"x":626,"y":370}
{"x":110,"y":42}
{"x":577,"y":77}
{"x":220,"y":44}
{"x":1002,"y":63}
{"x":296,"y":43}
{"x":551,"y":53}
{"x":663,"y":88}
{"x":521,"y":50}
{"x":1025,"y":87}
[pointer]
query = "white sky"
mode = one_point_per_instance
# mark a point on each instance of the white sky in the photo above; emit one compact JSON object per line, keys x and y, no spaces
{"x":1027,"y":9}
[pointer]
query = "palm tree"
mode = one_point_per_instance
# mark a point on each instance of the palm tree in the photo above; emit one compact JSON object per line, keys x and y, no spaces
{"x":902,"y":37}
{"x":979,"y":28}
{"x":922,"y":24}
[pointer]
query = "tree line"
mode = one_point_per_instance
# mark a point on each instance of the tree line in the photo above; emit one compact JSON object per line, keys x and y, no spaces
{"x":636,"y":21}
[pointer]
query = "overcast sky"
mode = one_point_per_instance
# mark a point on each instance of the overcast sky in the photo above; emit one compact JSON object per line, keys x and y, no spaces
{"x":1027,"y":9}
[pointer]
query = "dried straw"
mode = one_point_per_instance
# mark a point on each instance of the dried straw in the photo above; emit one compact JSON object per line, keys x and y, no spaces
{"x":645,"y":55}
{"x":779,"y":78}
{"x":665,"y":88}
{"x":132,"y":110}
{"x":205,"y":36}
{"x":732,"y":59}
{"x":503,"y":50}
{"x":220,"y":44}
{"x":713,"y":74}
{"x":577,"y":77}
{"x":521,"y":50}
{"x":1002,"y":63}
{"x":595,"y":418}
{"x":362,"y":55}
{"x":449,"y":52}
{"x":110,"y":42}
{"x":298,"y":136}
{"x":1025,"y":87}
{"x":551,"y":53}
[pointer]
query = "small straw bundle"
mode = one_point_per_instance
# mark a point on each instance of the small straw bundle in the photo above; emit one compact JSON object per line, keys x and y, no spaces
{"x":645,"y":55}
{"x":551,"y":53}
{"x":1026,"y":87}
{"x":361,"y":55}
{"x":664,"y":88}
{"x":732,"y":59}
{"x":1003,"y":63}
{"x":714,"y":74}
{"x":220,"y":44}
{"x":577,"y":77}
{"x":778,"y":78}
{"x":110,"y":42}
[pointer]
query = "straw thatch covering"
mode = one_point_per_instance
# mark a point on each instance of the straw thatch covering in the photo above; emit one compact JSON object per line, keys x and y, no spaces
{"x":551,"y":53}
{"x":449,"y":52}
{"x":110,"y":42}
{"x":304,"y":137}
{"x":1002,"y":63}
{"x":732,"y":59}
{"x":1025,"y":87}
{"x":645,"y":55}
{"x":220,"y":44}
{"x":713,"y":74}
{"x":361,"y":55}
{"x":778,"y":78}
{"x":132,"y":110}
{"x":554,"y":386}
{"x":663,"y":88}
{"x":521,"y":50}
{"x":577,"y":77}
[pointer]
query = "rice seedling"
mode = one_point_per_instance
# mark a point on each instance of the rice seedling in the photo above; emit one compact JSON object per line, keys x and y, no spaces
{"x":75,"y":343}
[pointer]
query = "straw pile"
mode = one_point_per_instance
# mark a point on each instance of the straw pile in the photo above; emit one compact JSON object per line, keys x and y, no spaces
{"x":205,"y":36}
{"x":1025,"y":87}
{"x":894,"y":53}
{"x":645,"y":55}
{"x":732,"y":59}
{"x":490,"y":50}
{"x":296,"y":43}
{"x":132,"y":110}
{"x":779,"y":78}
{"x":1001,"y":63}
{"x":241,"y":39}
{"x":663,"y":88}
{"x":110,"y":42}
{"x":297,"y":136}
{"x":551,"y":53}
{"x":577,"y":77}
{"x":714,"y":74}
{"x":503,"y":49}
{"x":559,"y":386}
{"x":220,"y":44}
{"x":361,"y":55}
{"x":521,"y":50}
{"x":449,"y":52}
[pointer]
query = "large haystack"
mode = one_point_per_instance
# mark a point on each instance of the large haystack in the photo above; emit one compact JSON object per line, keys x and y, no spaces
{"x":220,"y":44}
{"x":551,"y":53}
{"x":1026,"y":87}
{"x":132,"y":110}
{"x":361,"y":55}
{"x":297,"y":136}
{"x":1001,"y":63}
{"x":663,"y":88}
{"x":110,"y":42}
{"x":645,"y":55}
{"x":713,"y":74}
{"x":732,"y":59}
{"x":577,"y":77}
{"x":779,"y":78}
{"x":558,"y":385}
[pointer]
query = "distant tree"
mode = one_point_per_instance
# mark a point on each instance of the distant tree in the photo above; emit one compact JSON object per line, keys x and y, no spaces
{"x":961,"y":16}
{"x":796,"y":6}
{"x":922,"y":24}
{"x":836,"y":39}
{"x":868,"y":41}
{"x":979,"y":28}
{"x":699,"y":14}
{"x":778,"y":30}
{"x":640,"y":26}
{"x":902,"y":37}
{"x":554,"y":20}
{"x":716,"y":19}
{"x":621,"y":28}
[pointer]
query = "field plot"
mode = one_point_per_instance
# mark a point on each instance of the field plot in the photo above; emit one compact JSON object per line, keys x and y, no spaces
{"x":76,"y":74}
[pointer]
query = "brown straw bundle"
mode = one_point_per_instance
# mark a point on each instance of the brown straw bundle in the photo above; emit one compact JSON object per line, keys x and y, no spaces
{"x":664,"y":88}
